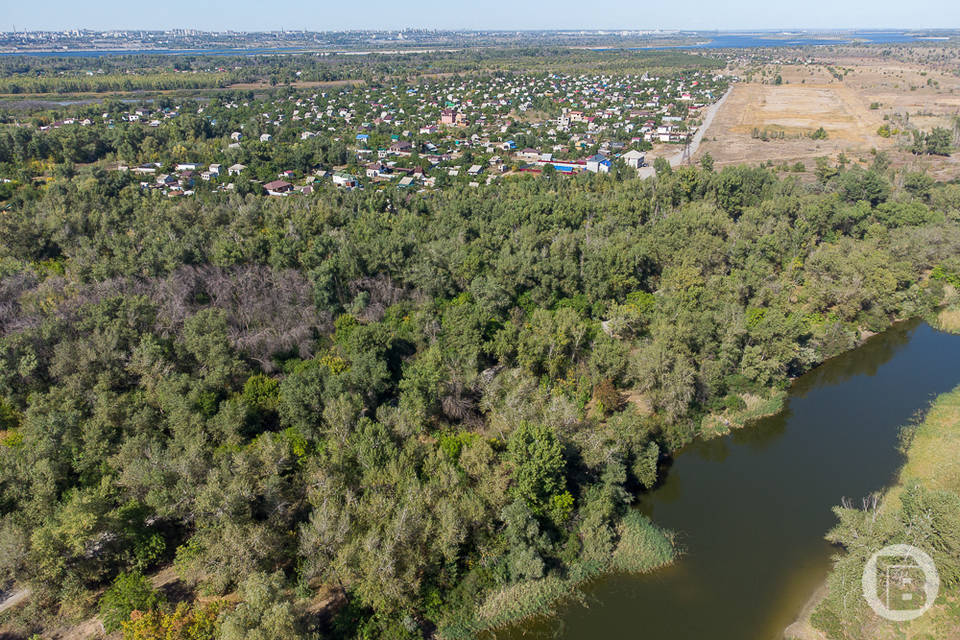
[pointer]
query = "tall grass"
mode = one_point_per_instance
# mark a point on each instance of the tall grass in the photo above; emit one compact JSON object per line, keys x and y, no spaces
{"x":641,"y":547}
{"x":521,"y":601}
{"x":947,"y":319}
{"x":754,"y":407}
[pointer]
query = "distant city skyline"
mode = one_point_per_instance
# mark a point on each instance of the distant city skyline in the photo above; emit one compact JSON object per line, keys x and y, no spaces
{"x":294,"y":15}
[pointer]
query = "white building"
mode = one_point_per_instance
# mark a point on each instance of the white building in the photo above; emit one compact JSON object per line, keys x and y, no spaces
{"x":634,"y":158}
{"x":598,"y":164}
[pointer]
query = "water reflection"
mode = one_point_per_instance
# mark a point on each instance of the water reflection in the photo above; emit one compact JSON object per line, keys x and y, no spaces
{"x":763,"y":432}
{"x":865,"y":360}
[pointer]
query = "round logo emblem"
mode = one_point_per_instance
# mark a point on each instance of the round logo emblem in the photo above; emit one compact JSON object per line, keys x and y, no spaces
{"x":900,"y":582}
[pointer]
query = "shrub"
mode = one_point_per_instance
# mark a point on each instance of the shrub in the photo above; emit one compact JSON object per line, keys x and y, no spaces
{"x":130,"y":592}
{"x":265,"y":613}
{"x":185,"y":623}
{"x":733,"y":402}
{"x":607,"y":397}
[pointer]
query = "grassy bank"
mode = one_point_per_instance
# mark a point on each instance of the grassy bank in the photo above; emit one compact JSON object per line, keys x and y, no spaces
{"x":641,"y":547}
{"x":922,"y":509}
{"x":947,"y":319}
{"x":933,"y":451}
{"x":947,"y":316}
{"x":754,"y":407}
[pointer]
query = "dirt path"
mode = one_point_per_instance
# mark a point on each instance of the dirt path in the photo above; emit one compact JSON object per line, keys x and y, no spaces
{"x":14,"y":599}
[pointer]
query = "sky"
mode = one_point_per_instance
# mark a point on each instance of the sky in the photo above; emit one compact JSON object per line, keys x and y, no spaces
{"x":322,"y":15}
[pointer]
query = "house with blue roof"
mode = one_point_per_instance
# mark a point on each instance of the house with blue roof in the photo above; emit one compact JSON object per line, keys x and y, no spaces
{"x":598,"y":164}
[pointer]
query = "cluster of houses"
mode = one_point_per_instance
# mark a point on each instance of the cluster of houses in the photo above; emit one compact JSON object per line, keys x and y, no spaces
{"x":432,"y":133}
{"x":144,"y":115}
{"x":566,"y":113}
{"x":182,"y":178}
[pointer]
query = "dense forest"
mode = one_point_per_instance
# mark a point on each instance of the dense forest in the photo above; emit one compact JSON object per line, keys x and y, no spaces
{"x":67,"y":75}
{"x":431,"y":410}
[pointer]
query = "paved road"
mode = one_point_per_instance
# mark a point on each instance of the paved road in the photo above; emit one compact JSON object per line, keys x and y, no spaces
{"x":677,"y":158}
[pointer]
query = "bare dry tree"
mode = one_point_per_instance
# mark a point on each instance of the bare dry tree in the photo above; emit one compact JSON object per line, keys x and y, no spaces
{"x":383,"y":292}
{"x":11,"y":288}
{"x":268,"y":311}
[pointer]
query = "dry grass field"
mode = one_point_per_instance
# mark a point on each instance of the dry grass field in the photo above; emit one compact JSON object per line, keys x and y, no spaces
{"x":796,"y":111}
{"x":875,"y":90}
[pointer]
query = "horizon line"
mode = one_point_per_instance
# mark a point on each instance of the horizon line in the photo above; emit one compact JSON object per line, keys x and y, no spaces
{"x":598,"y":30}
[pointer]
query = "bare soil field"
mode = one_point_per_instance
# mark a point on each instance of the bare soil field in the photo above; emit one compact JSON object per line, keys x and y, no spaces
{"x":875,"y":90}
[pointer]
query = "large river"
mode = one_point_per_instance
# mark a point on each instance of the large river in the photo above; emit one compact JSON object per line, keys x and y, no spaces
{"x":752,"y":508}
{"x":716,"y":40}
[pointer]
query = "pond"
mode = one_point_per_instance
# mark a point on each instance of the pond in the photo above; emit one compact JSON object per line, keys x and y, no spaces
{"x":751,"y":509}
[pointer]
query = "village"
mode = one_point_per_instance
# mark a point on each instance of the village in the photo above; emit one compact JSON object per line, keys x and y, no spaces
{"x":418,"y":136}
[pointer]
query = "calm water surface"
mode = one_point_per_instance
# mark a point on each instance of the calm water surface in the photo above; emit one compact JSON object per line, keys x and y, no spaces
{"x":739,"y":40}
{"x":752,"y":508}
{"x":717,"y":41}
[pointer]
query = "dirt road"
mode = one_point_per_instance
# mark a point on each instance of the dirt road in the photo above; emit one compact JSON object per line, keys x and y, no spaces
{"x":677,"y":158}
{"x":709,"y":112}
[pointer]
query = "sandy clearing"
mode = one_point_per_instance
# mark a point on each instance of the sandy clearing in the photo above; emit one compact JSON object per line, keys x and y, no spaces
{"x":877,"y":87}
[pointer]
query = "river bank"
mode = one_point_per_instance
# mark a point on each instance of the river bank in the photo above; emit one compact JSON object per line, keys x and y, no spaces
{"x":802,"y":629}
{"x":641,"y":548}
{"x":932,"y":461}
{"x":932,"y":437}
{"x":540,"y":600}
{"x":751,"y":508}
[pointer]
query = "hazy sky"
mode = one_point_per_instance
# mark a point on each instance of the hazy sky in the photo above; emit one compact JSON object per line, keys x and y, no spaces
{"x":321,"y":15}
